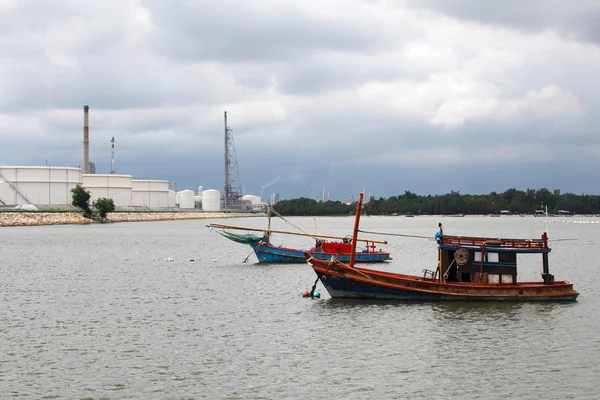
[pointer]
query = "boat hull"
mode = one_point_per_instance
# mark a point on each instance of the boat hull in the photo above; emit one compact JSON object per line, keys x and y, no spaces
{"x":344,"y":282}
{"x":274,"y":254}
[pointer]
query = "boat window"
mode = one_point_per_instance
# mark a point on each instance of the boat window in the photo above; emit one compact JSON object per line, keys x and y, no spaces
{"x":490,"y":257}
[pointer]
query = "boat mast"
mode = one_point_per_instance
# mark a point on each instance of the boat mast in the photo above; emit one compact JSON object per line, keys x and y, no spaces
{"x":355,"y":232}
{"x":268,"y":222}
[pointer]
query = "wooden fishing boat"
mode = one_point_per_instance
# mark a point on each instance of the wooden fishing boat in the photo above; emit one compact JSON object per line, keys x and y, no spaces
{"x":469,"y":268}
{"x":324,"y":247}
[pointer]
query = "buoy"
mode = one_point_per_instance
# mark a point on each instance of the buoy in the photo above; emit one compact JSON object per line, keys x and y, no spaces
{"x":305,"y":293}
{"x":316,"y":294}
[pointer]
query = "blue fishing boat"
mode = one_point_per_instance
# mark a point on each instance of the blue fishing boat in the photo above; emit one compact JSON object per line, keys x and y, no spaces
{"x":468,"y":269}
{"x":326,"y":246}
{"x":323,"y":249}
{"x":268,"y":253}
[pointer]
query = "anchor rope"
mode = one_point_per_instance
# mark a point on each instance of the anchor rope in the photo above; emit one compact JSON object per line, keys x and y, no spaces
{"x":312,"y":291}
{"x":398,"y":234}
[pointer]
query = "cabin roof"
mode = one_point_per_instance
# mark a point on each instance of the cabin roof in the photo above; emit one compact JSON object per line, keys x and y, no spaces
{"x":498,"y":243}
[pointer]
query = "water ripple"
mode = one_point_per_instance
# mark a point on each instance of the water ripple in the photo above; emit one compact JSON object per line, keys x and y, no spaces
{"x":95,"y":312}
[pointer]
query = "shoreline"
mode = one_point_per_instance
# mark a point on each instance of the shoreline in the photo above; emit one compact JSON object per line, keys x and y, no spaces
{"x":75,"y":218}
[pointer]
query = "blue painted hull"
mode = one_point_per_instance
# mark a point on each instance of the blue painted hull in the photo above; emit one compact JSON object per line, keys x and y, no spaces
{"x":338,"y":287}
{"x":274,"y":254}
{"x":342,"y":281}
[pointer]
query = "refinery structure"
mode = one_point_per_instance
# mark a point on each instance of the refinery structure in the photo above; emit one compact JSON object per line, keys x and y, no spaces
{"x":50,"y":187}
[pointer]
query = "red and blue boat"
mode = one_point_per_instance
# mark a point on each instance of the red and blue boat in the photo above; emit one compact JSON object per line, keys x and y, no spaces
{"x":468,"y":269}
{"x":323,"y":250}
{"x":324,"y":247}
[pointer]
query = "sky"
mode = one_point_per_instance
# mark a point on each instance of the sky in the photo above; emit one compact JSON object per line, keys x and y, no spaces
{"x":387,"y":96}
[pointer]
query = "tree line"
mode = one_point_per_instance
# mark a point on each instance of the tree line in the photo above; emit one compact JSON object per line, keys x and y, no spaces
{"x":513,"y":201}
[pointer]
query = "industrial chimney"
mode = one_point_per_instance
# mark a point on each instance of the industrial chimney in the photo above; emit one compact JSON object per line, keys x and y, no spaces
{"x":112,"y":156}
{"x":86,"y":140}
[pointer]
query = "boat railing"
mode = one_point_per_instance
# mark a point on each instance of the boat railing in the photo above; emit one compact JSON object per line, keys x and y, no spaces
{"x":489,"y":242}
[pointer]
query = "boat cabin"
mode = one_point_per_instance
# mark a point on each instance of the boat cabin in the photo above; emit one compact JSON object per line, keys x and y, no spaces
{"x":486,"y":260}
{"x":344,"y":247}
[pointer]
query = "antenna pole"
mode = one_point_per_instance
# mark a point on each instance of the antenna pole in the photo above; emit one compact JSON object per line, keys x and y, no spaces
{"x":355,"y":232}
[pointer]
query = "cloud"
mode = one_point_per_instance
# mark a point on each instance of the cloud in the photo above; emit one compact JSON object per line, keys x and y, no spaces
{"x":573,"y":20}
{"x":394,"y":95}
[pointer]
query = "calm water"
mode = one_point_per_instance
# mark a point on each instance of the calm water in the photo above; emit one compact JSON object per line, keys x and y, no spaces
{"x":97,"y":312}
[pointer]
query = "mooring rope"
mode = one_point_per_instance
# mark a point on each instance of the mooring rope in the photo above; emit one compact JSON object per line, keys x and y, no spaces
{"x":398,"y":234}
{"x":314,"y":287}
{"x":288,"y":222}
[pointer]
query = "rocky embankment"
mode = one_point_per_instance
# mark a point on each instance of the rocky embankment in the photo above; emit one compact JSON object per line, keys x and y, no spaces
{"x":41,"y":218}
{"x":167,"y":216}
{"x":71,"y":218}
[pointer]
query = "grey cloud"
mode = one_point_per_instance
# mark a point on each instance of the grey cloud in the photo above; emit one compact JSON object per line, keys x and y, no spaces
{"x":239,"y":31}
{"x":392,"y":100}
{"x":580,"y":19}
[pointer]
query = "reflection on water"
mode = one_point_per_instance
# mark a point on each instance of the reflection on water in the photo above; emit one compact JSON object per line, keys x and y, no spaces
{"x":339,"y":303}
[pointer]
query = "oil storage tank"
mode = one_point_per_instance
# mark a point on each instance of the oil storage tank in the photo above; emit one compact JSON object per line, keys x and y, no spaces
{"x":256,"y":202}
{"x":150,"y":193}
{"x":5,"y":192}
{"x":110,"y":186}
{"x":186,"y":199}
{"x":211,"y":200}
{"x":172,"y":198}
{"x":38,"y":184}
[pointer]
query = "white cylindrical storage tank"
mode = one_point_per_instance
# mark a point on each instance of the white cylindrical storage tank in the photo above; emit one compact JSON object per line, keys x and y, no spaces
{"x":5,"y":193}
{"x":110,"y":186}
{"x":211,"y":200}
{"x":186,"y":199}
{"x":150,"y":193}
{"x":172,"y":198}
{"x":39,"y":184}
{"x":255,"y":201}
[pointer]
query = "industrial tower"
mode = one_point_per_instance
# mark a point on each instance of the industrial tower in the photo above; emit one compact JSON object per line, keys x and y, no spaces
{"x":86,"y":140}
{"x":232,"y":196}
{"x":112,"y":156}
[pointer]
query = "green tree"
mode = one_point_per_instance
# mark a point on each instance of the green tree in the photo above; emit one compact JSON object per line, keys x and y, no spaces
{"x":104,"y":206}
{"x":81,"y":199}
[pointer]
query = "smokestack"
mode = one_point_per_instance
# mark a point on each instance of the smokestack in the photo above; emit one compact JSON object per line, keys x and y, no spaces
{"x":112,"y":157}
{"x":86,"y":140}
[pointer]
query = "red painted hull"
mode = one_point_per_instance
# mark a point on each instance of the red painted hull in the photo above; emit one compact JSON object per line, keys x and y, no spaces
{"x":342,"y":281}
